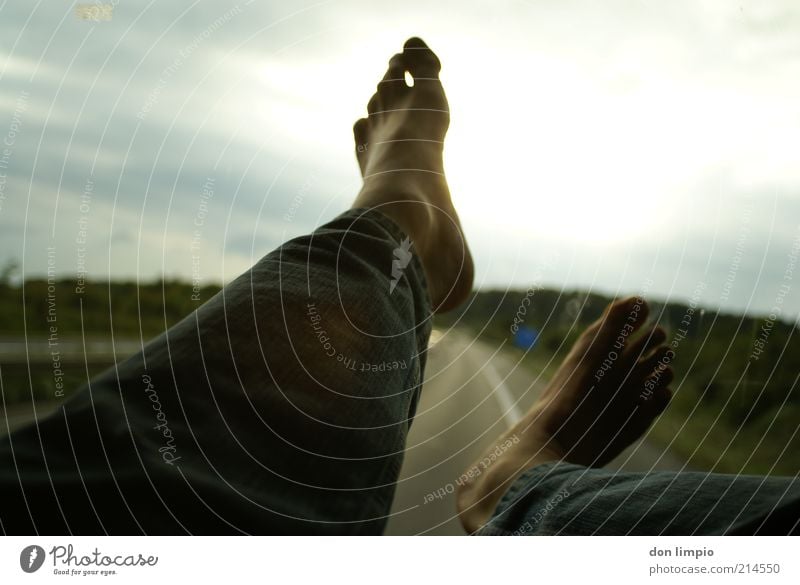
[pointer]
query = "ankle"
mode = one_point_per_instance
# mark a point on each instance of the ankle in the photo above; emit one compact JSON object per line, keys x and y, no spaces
{"x":405,"y":206}
{"x":477,"y":498}
{"x":404,"y":157}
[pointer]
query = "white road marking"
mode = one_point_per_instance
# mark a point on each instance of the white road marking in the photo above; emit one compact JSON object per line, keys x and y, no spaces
{"x":505,"y":399}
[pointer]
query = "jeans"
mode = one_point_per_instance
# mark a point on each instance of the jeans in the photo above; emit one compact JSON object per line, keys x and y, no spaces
{"x":282,"y":406}
{"x":562,"y":498}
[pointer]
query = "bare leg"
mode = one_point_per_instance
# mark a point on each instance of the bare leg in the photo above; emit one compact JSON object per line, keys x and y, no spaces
{"x":282,"y":404}
{"x":399,"y":149}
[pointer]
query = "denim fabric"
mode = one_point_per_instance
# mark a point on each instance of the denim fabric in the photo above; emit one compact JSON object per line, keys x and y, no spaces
{"x":562,"y":498}
{"x":280,"y":406}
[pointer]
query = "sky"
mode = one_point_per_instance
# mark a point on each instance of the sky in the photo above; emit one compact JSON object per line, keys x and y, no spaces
{"x":623,"y":146}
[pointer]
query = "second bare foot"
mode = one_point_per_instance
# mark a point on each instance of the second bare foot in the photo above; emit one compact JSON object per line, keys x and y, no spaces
{"x":604,"y":396}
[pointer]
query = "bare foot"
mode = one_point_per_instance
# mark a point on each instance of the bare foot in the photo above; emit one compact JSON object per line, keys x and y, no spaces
{"x":604,"y":396}
{"x":399,"y":149}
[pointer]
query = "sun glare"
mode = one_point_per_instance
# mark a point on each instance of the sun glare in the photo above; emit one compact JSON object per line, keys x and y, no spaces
{"x":527,"y":159}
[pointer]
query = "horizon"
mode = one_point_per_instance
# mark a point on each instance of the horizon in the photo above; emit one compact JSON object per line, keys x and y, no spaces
{"x":652,"y":299}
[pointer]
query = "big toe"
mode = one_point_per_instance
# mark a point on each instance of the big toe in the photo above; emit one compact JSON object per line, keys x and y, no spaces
{"x":621,"y":319}
{"x":361,"y":133}
{"x":421,"y":62}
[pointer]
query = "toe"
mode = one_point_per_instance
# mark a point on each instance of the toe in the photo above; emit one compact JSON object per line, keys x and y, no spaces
{"x":657,"y":359}
{"x":647,"y":410}
{"x":394,"y":81}
{"x":631,"y":310}
{"x":645,"y":343}
{"x":375,"y":104}
{"x":661,"y":377}
{"x":619,"y":321}
{"x":360,"y":131}
{"x":651,"y":390}
{"x":420,"y":60}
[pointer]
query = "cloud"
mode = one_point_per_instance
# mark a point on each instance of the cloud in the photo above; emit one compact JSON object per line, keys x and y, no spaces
{"x":631,"y":131}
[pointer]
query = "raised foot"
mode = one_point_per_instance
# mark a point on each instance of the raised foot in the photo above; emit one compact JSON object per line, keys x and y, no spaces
{"x":399,"y":149}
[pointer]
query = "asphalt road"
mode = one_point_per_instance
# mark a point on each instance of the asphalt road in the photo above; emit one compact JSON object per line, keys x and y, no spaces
{"x":472,"y":393}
